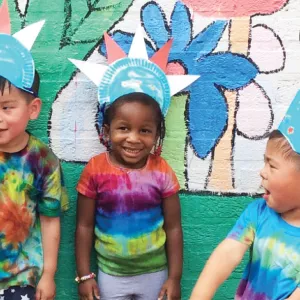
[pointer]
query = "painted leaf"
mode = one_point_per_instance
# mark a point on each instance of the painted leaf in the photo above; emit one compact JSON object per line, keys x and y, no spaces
{"x":207,"y":117}
{"x":254,"y":116}
{"x":207,"y":40}
{"x":266,"y":49}
{"x":226,"y":69}
{"x":155,"y":24}
{"x":57,"y":35}
{"x":181,"y":29}
{"x":87,"y":27}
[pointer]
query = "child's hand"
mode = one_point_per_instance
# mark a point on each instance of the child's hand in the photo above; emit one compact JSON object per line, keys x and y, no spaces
{"x":88,"y":289}
{"x":171,"y":289}
{"x":46,"y":288}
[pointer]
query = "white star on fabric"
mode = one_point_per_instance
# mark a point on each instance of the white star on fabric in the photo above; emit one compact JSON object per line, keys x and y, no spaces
{"x":24,"y":297}
{"x":12,"y":290}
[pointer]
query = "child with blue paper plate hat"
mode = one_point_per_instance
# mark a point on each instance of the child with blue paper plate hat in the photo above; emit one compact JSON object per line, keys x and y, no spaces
{"x":31,"y":188}
{"x":128,"y":195}
{"x":269,"y":227}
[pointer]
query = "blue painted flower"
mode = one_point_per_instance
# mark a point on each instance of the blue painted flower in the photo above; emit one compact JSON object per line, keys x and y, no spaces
{"x":207,"y":109}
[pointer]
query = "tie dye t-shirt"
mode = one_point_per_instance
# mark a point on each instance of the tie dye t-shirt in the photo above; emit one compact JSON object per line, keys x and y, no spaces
{"x":273,"y":271}
{"x":130,"y":238}
{"x":30,"y":184}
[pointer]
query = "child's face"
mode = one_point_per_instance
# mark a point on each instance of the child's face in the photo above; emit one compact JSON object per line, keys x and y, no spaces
{"x":132,"y":134}
{"x":280,"y":178}
{"x":15,"y":112}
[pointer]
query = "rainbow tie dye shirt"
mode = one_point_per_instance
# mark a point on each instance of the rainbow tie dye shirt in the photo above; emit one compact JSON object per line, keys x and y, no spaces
{"x":273,"y":272}
{"x":30,"y":184}
{"x":130,"y":238}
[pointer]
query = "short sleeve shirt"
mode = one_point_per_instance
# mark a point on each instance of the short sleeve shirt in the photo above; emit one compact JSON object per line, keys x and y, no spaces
{"x":273,"y":271}
{"x":130,"y":238}
{"x":30,"y":185}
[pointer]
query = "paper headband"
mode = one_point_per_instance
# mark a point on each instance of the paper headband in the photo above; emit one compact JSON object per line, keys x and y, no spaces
{"x":16,"y":62}
{"x":290,"y":125}
{"x":135,"y":73}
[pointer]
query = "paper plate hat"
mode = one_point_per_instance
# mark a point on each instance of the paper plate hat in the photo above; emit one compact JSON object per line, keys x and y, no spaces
{"x":16,"y":63}
{"x":290,"y":125}
{"x":135,"y":73}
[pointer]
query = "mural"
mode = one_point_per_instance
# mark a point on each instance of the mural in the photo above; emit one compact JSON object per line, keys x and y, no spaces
{"x":227,"y":113}
{"x":247,"y":53}
{"x":242,"y":40}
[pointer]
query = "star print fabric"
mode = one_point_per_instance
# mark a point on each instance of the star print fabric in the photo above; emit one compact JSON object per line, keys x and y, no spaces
{"x":18,"y":293}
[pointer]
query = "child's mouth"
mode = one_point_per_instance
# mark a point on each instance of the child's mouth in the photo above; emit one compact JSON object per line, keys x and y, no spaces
{"x":266,"y":194}
{"x":132,"y":151}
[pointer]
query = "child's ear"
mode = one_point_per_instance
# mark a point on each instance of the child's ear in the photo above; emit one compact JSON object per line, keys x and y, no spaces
{"x":106,"y":130}
{"x":35,"y":108}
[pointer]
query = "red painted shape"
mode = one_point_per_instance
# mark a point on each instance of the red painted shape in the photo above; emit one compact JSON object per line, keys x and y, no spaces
{"x":234,"y":8}
{"x":161,"y":56}
{"x":113,"y":50}
{"x":4,"y":18}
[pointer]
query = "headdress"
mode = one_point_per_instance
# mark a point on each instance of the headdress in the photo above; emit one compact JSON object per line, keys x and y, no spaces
{"x":16,"y":62}
{"x":135,"y":73}
{"x":290,"y":125}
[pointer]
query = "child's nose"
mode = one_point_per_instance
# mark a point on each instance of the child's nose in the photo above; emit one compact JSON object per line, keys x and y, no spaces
{"x":133,"y":137}
{"x":263,"y":173}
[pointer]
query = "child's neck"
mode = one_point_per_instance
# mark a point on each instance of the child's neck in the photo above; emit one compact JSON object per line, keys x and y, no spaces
{"x":16,"y":145}
{"x":120,"y":164}
{"x":292,"y":217}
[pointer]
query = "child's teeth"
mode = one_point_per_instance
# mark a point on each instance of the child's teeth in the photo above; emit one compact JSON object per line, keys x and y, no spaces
{"x":132,"y":151}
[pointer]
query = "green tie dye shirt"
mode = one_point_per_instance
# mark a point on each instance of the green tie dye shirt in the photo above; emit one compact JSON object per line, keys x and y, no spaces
{"x":30,"y":185}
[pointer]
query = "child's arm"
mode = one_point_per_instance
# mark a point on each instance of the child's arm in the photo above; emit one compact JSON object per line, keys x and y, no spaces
{"x":50,"y":229}
{"x":219,"y":266}
{"x":83,"y":245}
{"x":295,"y":295}
{"x":172,"y":226}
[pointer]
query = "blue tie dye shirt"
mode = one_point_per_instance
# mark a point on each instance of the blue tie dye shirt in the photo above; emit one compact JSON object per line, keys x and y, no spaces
{"x":273,"y":271}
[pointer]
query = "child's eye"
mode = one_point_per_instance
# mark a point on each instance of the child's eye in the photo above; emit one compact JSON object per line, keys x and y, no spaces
{"x":123,"y":128}
{"x":6,"y":107}
{"x":146,"y":131}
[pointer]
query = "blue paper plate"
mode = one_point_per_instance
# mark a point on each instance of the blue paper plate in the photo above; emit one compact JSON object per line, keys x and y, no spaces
{"x":129,"y":75}
{"x":290,"y":125}
{"x":16,"y":63}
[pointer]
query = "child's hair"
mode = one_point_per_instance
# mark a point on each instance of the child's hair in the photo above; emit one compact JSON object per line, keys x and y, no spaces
{"x":284,"y":147}
{"x":35,"y":87}
{"x":108,"y":113}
